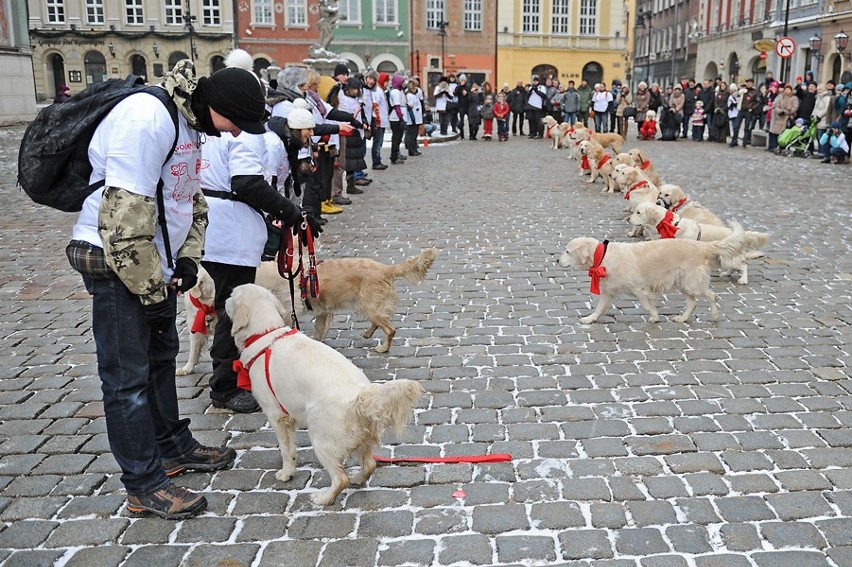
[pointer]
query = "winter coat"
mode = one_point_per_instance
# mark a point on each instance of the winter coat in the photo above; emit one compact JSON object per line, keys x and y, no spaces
{"x":585,"y":97}
{"x":542,"y":93}
{"x":474,"y":107}
{"x":656,"y":101}
{"x":463,"y":95}
{"x":708,"y":98}
{"x":643,"y":102}
{"x":783,"y":109}
{"x":822,"y":109}
{"x":806,"y":106}
{"x":487,"y":111}
{"x":517,"y":98}
{"x":570,"y":101}
{"x":501,"y":110}
{"x":676,"y":102}
{"x":688,"y":100}
{"x":624,"y":100}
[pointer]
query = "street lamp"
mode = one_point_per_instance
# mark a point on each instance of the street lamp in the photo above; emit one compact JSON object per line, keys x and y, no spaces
{"x":442,"y":31}
{"x":841,"y":42}
{"x":188,"y":21}
{"x":815,"y":43}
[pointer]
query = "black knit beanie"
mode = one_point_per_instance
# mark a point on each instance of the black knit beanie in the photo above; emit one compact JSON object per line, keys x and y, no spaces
{"x":237,"y":95}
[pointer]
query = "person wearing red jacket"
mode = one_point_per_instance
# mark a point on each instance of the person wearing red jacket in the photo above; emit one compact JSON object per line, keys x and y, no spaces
{"x":649,"y":127}
{"x":501,"y":113}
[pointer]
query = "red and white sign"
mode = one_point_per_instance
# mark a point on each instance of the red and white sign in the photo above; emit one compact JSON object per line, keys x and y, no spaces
{"x":785,"y":47}
{"x":763,"y":56}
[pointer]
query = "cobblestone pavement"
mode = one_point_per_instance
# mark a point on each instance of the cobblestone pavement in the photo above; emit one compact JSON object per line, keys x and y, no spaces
{"x":634,"y":444}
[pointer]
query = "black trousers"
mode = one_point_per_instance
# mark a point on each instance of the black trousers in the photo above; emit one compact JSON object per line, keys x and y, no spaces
{"x":444,"y":122}
{"x":397,"y":129}
{"x":223,"y":351}
{"x":534,"y":119}
{"x":518,"y":123}
{"x":411,"y":138}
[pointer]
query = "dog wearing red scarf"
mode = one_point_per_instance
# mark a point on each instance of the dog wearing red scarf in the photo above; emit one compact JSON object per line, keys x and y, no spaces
{"x":600,"y":164}
{"x":673,"y":198}
{"x":644,"y":164}
{"x":644,"y":269}
{"x":637,"y":189}
{"x":300,"y":382}
{"x":201,"y":318}
{"x":671,"y":225}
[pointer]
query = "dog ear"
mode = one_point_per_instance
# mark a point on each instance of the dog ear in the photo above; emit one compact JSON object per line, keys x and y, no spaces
{"x":238,"y":312}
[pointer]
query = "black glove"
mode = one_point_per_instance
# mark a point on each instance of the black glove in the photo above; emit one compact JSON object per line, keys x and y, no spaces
{"x":314,"y":223}
{"x":160,"y":316}
{"x":186,"y":272}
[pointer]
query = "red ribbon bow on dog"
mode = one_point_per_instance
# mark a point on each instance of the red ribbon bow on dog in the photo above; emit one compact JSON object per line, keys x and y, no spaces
{"x":645,"y":165}
{"x":596,"y":272}
{"x":680,"y":203}
{"x":642,"y":183}
{"x":666,"y":227}
{"x":584,"y":163}
{"x":199,"y":324}
{"x":603,"y":160}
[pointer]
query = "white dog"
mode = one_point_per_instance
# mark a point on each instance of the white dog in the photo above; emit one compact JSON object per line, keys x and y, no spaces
{"x":655,"y":266}
{"x":600,"y":164}
{"x":344,"y":413}
{"x":201,"y":318}
{"x":671,"y":225}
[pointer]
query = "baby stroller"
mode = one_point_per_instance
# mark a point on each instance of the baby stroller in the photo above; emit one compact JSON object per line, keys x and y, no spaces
{"x":798,"y":140}
{"x":669,"y":127}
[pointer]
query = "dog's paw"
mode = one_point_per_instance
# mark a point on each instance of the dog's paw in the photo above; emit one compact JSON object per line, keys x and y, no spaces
{"x":680,"y":318}
{"x":186,"y":370}
{"x":588,"y":320}
{"x":654,"y":319}
{"x":743,"y":280}
{"x":323,"y":498}
{"x":381,"y":348}
{"x":285,"y":474}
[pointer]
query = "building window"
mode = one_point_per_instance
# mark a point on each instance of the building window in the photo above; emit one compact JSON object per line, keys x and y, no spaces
{"x":532,"y":16}
{"x":262,"y":12}
{"x":297,"y":13}
{"x":473,"y":15}
{"x":561,"y":15}
{"x":174,"y":13}
{"x":133,"y":11}
{"x":350,"y":11}
{"x":434,"y":14}
{"x":588,"y":17}
{"x":210,"y":15}
{"x":385,"y":11}
{"x":55,"y":11}
{"x":95,"y":11}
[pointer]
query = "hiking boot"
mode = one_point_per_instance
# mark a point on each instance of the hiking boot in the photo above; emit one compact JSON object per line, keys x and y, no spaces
{"x":341,"y":200}
{"x":329,"y":208}
{"x":241,"y":402}
{"x":363,"y":181}
{"x":172,"y":502}
{"x":201,"y":459}
{"x":354,"y":190}
{"x":380,"y":166}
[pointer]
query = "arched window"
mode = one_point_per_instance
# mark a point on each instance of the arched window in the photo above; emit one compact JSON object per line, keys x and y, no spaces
{"x":260,"y":64}
{"x":387,"y":67}
{"x":217,"y":62}
{"x":544,"y":71}
{"x":592,"y":73}
{"x":57,"y":68}
{"x":95,"y":64}
{"x":139,"y":67}
{"x":175,"y":57}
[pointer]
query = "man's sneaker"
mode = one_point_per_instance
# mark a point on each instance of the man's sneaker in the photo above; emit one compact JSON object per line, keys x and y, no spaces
{"x":201,"y":459}
{"x":363,"y":181}
{"x":341,"y":200}
{"x":329,"y":208}
{"x":241,"y":402}
{"x":354,"y":189}
{"x":171,"y":502}
{"x":380,"y":166}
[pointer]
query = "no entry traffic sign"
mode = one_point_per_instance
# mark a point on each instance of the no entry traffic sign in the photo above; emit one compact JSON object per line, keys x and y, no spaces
{"x":785,"y":47}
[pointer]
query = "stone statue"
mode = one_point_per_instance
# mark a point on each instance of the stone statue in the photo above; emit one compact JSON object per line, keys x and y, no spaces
{"x":329,"y":15}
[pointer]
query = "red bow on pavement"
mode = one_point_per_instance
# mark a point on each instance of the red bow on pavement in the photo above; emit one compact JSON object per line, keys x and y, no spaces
{"x":596,"y":272}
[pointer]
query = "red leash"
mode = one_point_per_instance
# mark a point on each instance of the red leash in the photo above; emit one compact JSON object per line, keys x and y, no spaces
{"x":496,"y":458}
{"x":289,"y":267}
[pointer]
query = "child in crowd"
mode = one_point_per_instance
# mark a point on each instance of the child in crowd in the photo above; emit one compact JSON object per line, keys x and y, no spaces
{"x":501,"y":113}
{"x":474,"y":109}
{"x":698,"y":122}
{"x":487,"y":114}
{"x":649,"y":127}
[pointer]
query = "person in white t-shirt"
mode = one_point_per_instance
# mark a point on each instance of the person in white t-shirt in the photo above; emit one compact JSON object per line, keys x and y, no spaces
{"x":380,"y":115}
{"x":396,"y":112}
{"x":442,"y":100}
{"x":134,"y":265}
{"x":413,"y":117}
{"x":277,"y":165}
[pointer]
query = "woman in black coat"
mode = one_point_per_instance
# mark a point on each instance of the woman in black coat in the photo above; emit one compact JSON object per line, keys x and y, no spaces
{"x":719,"y":119}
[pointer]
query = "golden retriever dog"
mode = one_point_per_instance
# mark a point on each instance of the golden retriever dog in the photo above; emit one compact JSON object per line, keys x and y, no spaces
{"x":358,"y":284}
{"x":674,"y":199}
{"x":644,"y":269}
{"x":637,"y":189}
{"x":600,"y":164}
{"x":610,"y":140}
{"x":201,"y":318}
{"x":646,"y":166}
{"x":311,"y":385}
{"x":552,"y":128}
{"x":575,"y":137}
{"x":671,"y":225}
{"x":623,"y":158}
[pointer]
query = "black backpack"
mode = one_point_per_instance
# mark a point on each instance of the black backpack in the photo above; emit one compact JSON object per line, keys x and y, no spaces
{"x":53,"y":163}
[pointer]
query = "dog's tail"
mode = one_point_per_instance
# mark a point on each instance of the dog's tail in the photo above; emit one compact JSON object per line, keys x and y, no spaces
{"x":415,"y":269}
{"x":388,"y":405}
{"x":733,"y":246}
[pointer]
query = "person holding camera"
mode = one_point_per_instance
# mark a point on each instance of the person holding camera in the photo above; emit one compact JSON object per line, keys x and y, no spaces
{"x":833,"y":144}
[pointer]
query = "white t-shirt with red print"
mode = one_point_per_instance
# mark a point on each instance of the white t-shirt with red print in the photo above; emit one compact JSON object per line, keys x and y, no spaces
{"x":127,"y":150}
{"x":236,"y":233}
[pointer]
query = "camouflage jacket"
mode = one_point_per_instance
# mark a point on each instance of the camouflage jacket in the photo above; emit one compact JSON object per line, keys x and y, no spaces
{"x":127,"y":223}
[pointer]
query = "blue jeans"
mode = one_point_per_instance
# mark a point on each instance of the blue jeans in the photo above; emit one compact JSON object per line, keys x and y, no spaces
{"x":600,"y":121}
{"x":137,"y":371}
{"x":502,"y":127}
{"x":376,"y":149}
{"x":569,"y":117}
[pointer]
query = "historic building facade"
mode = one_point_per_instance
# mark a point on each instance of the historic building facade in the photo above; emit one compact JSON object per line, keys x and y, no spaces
{"x":17,"y":102}
{"x":373,"y":34}
{"x":565,"y":39}
{"x":82,"y":42}
{"x":666,"y":40}
{"x":451,"y":36}
{"x":276,"y":32}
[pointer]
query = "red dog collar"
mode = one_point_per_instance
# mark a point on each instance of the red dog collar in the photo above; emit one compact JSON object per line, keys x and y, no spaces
{"x":596,"y":272}
{"x":637,"y":185}
{"x":199,"y":324}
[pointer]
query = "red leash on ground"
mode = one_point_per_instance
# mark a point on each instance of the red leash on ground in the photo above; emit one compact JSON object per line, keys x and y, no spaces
{"x":495,"y":458}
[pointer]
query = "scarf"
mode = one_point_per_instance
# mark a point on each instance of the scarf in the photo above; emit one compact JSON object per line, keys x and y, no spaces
{"x":603,"y":161}
{"x":199,"y":324}
{"x":645,"y":165}
{"x":680,"y":203}
{"x":584,"y":163}
{"x":596,"y":272}
{"x":315,"y":98}
{"x":642,"y":183}
{"x":666,"y":227}
{"x":181,"y":85}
